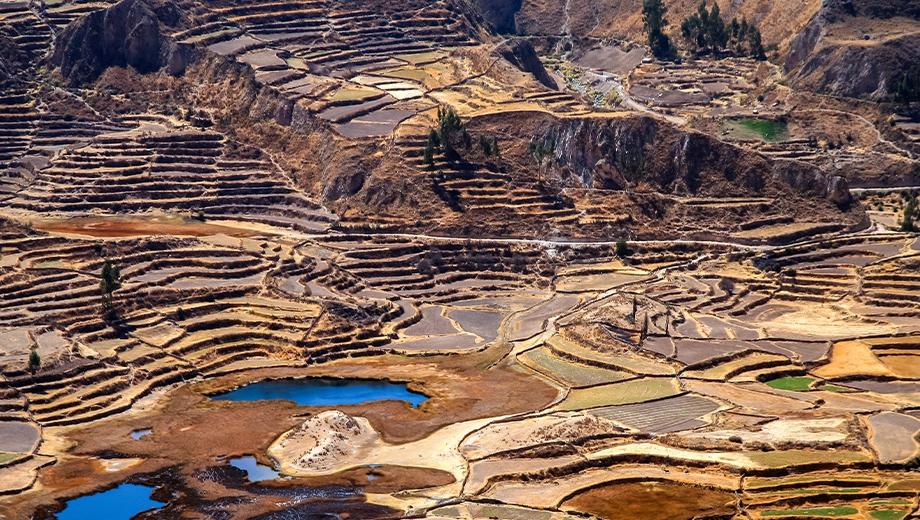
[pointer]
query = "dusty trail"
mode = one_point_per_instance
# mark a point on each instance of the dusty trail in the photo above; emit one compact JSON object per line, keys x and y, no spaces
{"x":881,"y":138}
{"x":635,"y":105}
{"x":564,"y":242}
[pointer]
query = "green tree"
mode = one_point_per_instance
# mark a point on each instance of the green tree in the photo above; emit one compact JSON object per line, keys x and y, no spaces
{"x":718,"y":37}
{"x":907,"y":90}
{"x":451,"y":129}
{"x":486,"y":145}
{"x":654,"y":22}
{"x":431,"y":146}
{"x":35,"y":361}
{"x":755,"y":46}
{"x":111,"y":282}
{"x":622,"y":248}
{"x":908,"y":224}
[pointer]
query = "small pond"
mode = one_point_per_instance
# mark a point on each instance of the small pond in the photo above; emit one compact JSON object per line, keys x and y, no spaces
{"x":323,"y":391}
{"x":137,"y":434}
{"x":120,"y":503}
{"x":255,"y":472}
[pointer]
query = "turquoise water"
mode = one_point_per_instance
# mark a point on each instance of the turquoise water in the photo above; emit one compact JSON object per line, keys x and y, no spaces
{"x":323,"y":391}
{"x":119,"y":503}
{"x":255,"y":472}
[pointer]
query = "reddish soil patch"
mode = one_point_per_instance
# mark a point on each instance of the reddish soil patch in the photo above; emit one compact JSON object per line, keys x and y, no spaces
{"x":653,"y":501}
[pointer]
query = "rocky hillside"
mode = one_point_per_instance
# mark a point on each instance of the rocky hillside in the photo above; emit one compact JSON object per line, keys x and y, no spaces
{"x":348,"y":125}
{"x":779,"y":21}
{"x":856,"y":49}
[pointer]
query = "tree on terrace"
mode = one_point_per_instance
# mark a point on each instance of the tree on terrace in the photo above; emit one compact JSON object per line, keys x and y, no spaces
{"x":111,"y":282}
{"x":35,"y":362}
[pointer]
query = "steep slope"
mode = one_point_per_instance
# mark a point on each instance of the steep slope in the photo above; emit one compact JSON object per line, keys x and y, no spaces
{"x":856,"y":49}
{"x":779,"y":21}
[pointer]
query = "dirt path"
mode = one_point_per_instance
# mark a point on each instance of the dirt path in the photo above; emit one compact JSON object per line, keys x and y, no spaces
{"x":552,"y":243}
{"x":635,"y":105}
{"x":881,"y":139}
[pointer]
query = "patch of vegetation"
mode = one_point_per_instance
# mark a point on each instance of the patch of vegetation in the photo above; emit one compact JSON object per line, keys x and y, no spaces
{"x":888,"y":514}
{"x":812,"y":511}
{"x":449,"y":135}
{"x":542,"y":149}
{"x":794,"y":384}
{"x":9,"y":457}
{"x":908,"y":89}
{"x":765,"y":129}
{"x":835,"y":388}
{"x":705,"y":32}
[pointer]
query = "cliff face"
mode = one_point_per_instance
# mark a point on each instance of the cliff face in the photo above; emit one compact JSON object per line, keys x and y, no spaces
{"x":500,"y":13}
{"x":522,"y":55}
{"x":628,"y":152}
{"x":855,"y":49}
{"x":126,"y":34}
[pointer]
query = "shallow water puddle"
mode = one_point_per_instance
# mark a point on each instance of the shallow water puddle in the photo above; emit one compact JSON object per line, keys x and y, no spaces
{"x":323,"y":391}
{"x":120,"y":503}
{"x":255,"y":472}
{"x":140,"y":433}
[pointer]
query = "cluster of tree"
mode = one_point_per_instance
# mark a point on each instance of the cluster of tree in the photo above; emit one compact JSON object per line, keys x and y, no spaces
{"x":705,"y":32}
{"x":447,"y":137}
{"x":451,"y":134}
{"x":908,"y":89}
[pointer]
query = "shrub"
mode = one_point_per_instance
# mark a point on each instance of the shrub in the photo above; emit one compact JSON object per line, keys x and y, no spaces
{"x":622,"y":248}
{"x":424,"y":267}
{"x":35,"y":361}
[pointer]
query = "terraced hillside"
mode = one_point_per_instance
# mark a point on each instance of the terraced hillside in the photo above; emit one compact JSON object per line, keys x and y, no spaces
{"x":366,"y":259}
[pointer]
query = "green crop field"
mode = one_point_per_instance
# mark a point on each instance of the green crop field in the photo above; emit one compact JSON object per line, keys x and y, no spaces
{"x":763,"y":129}
{"x":795,"y":384}
{"x":888,"y":514}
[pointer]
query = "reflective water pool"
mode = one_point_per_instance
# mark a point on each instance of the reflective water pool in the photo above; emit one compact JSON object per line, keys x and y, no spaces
{"x":323,"y":391}
{"x":120,"y":503}
{"x":255,"y":472}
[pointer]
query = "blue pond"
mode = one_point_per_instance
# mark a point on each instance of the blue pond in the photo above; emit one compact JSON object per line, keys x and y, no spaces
{"x":119,"y":503}
{"x":255,"y":472}
{"x":140,"y":433}
{"x":323,"y":391}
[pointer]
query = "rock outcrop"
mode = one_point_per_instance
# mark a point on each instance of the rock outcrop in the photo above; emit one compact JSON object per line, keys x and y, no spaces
{"x":850,"y":65}
{"x":522,"y":55}
{"x":128,"y":34}
{"x":500,"y":13}
{"x":625,"y":152}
